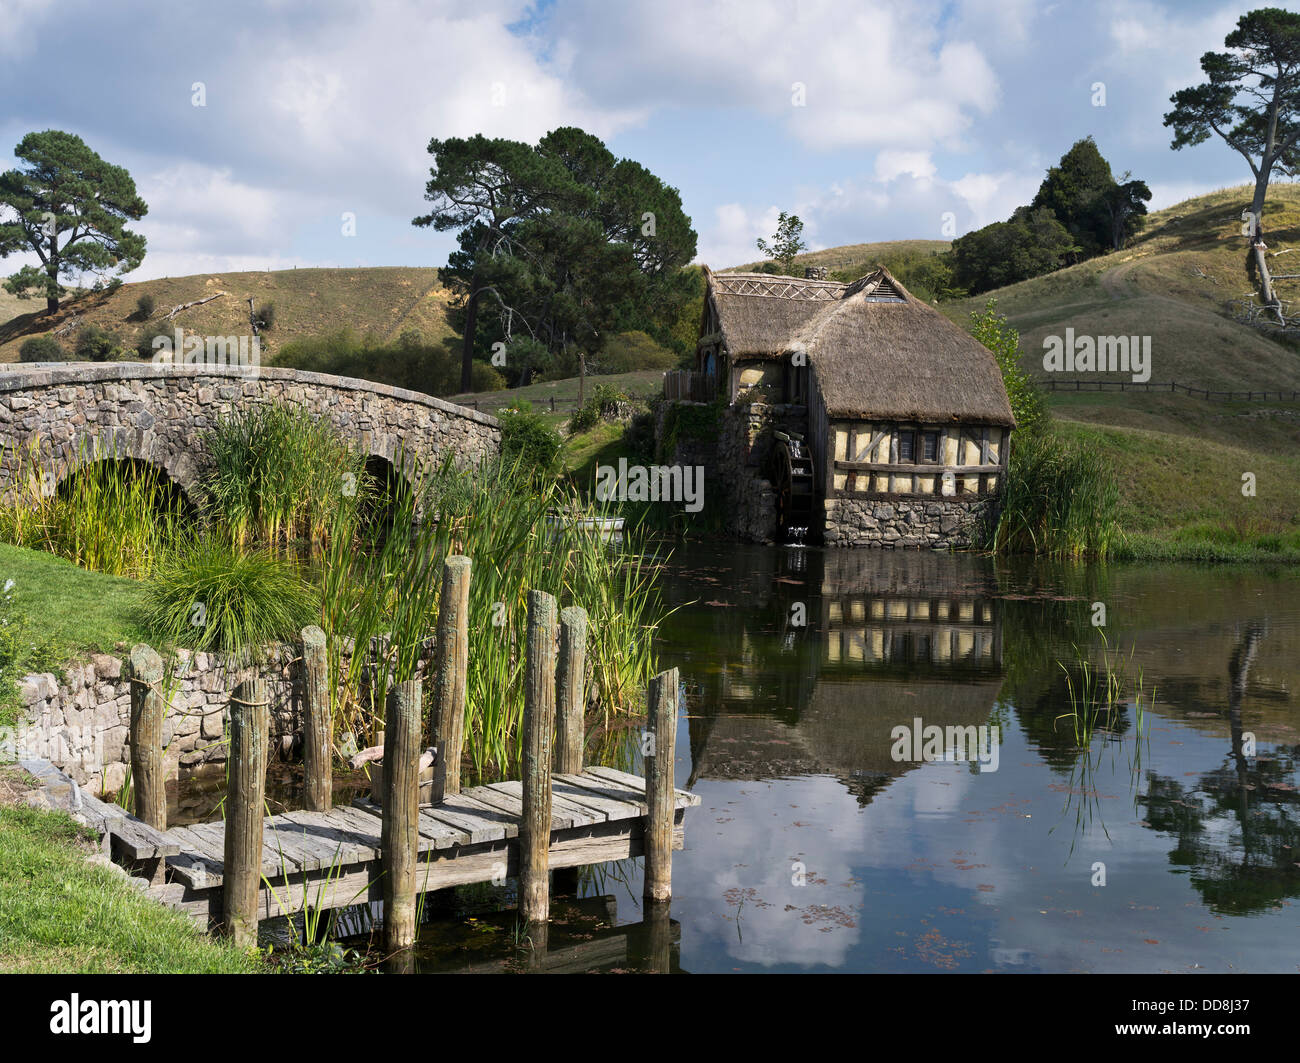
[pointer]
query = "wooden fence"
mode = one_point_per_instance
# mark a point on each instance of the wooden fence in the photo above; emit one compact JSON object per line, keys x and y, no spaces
{"x":1172,"y":386}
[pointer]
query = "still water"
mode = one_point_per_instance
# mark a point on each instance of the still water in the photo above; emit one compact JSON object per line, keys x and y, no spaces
{"x":1164,"y":842}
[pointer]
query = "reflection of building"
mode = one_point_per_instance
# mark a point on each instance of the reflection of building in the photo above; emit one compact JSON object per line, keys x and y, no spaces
{"x":890,"y":636}
{"x":907,"y":611}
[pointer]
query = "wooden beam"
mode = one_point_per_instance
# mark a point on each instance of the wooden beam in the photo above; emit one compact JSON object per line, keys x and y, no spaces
{"x":907,"y":470}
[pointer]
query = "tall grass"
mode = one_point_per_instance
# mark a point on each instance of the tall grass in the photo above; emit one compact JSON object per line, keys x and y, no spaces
{"x":387,"y":597}
{"x":1060,"y":501}
{"x":279,"y":475}
{"x":110,"y":515}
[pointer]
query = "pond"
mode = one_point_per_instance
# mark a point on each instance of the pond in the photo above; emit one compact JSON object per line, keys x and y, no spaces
{"x":1168,"y":840}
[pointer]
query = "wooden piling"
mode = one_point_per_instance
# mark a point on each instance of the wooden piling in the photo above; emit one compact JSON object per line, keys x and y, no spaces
{"x":658,"y":937}
{"x":147,"y":771}
{"x":659,"y":796}
{"x":539,"y":724}
{"x":570,"y":692}
{"x":400,"y":832}
{"x":317,"y":723}
{"x":448,"y":724}
{"x":245,"y":804}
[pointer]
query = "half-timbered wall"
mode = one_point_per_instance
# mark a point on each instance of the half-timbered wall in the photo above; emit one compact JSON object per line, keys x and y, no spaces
{"x":869,"y":459}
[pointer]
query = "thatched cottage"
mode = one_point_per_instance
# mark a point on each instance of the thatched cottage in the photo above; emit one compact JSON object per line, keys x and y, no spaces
{"x":904,"y":421}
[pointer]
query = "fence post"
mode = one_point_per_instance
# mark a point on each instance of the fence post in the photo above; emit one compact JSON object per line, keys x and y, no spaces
{"x":571,"y":693}
{"x":147,"y":771}
{"x":245,"y":798}
{"x":317,"y":723}
{"x":660,"y":798}
{"x":452,"y":651}
{"x":400,"y":829}
{"x":539,"y":722}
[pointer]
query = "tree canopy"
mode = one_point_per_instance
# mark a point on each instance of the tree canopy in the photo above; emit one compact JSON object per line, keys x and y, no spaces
{"x":70,"y":208}
{"x":1250,"y":99}
{"x":786,"y":242}
{"x":563,"y":241}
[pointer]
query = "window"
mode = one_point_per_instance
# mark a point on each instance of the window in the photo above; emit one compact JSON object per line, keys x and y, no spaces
{"x":930,"y":446}
{"x":906,"y":447}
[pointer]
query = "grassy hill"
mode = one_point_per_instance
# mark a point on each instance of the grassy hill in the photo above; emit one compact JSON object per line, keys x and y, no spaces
{"x":382,"y":302}
{"x":859,"y":258}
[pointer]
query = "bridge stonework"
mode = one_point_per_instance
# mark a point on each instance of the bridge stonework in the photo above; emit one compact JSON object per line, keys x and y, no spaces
{"x":77,"y":412}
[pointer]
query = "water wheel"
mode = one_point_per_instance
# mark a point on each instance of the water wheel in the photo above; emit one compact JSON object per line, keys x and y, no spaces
{"x":793,"y":479}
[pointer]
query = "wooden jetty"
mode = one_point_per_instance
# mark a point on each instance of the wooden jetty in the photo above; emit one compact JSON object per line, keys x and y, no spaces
{"x":333,"y":859}
{"x":392,"y":847}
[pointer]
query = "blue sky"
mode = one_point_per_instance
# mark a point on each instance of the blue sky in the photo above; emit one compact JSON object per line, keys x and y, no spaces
{"x":907,"y":112}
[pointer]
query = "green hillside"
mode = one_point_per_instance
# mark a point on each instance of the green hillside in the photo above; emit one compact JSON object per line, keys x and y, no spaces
{"x":858,"y":258}
{"x":382,"y":302}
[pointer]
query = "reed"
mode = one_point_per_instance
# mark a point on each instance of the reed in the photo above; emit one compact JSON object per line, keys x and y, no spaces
{"x":1098,"y":692}
{"x":278,"y":475}
{"x":1060,"y":501}
{"x":110,"y":515}
{"x":384,"y":595}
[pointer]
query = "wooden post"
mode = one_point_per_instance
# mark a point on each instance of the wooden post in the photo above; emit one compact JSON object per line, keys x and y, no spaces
{"x":147,"y":771}
{"x":453,"y":662}
{"x":400,"y":830}
{"x":539,"y":723}
{"x":660,"y":798}
{"x":571,"y":692}
{"x":245,"y":798}
{"x":317,"y":723}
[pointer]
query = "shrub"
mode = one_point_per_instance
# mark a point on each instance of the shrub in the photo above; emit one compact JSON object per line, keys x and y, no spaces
{"x":992,"y":330}
{"x":484,"y":378}
{"x":95,"y":344}
{"x":43,"y":349}
{"x":605,"y":402}
{"x":144,"y":306}
{"x":266,"y":317}
{"x":213,"y":595}
{"x":628,"y":352}
{"x":527,"y":438}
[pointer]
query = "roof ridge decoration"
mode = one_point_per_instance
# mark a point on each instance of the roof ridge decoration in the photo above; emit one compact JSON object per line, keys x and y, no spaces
{"x":774,"y":287}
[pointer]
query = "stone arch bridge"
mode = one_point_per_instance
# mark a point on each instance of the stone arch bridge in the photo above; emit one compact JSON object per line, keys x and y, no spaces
{"x":73,"y":413}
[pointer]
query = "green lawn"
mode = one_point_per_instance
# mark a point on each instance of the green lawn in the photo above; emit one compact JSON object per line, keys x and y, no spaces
{"x":84,"y":611}
{"x":60,"y":915}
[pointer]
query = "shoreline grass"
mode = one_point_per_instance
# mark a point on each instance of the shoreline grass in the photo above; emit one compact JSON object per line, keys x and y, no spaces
{"x":61,"y":915}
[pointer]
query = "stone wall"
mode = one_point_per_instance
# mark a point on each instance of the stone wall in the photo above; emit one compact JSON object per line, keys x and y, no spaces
{"x":903,"y":522}
{"x":736,"y":457}
{"x":156,"y":414}
{"x":82,"y":723}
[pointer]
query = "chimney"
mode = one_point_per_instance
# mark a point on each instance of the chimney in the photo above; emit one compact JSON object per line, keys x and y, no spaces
{"x":814,"y":273}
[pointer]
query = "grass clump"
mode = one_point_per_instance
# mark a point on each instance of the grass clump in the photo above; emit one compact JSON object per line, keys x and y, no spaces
{"x":215,"y":595}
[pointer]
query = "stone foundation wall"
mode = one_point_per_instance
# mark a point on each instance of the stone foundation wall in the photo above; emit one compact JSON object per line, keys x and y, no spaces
{"x":906,"y":522}
{"x":736,"y":459}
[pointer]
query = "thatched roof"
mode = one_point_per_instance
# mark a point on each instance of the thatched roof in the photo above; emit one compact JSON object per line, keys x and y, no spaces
{"x":876,"y":350}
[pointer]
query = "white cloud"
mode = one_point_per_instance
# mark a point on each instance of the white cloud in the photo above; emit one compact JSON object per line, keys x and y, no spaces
{"x":879,"y":76}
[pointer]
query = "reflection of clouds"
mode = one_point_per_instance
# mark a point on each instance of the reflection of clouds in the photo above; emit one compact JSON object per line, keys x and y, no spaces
{"x":756,"y":851}
{"x":935,"y":825}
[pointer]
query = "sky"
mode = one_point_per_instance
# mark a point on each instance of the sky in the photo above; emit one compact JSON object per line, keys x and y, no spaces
{"x":255,"y":131}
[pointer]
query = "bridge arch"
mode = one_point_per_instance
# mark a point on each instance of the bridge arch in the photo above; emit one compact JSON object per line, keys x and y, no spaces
{"x":68,"y":414}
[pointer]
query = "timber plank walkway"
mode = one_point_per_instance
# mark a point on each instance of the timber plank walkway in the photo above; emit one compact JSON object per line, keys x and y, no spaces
{"x":332,"y":859}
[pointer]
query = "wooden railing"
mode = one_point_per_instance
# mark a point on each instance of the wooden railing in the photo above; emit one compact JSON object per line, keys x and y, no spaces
{"x":687,"y":385}
{"x":1172,"y":386}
